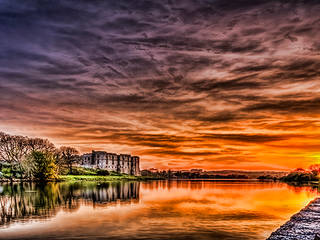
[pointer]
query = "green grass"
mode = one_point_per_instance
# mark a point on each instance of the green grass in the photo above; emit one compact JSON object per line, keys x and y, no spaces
{"x":98,"y":175}
{"x":89,"y":175}
{"x":71,"y":178}
{"x":96,"y":178}
{"x":78,"y":171}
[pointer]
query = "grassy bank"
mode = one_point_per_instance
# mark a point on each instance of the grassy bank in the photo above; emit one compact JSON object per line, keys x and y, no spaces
{"x":85,"y":174}
{"x":98,"y":175}
{"x":88,"y":178}
{"x":96,"y":178}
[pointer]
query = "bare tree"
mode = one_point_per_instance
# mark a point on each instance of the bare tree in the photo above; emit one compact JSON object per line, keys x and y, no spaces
{"x":13,"y":149}
{"x":42,"y":145}
{"x":69,"y":155}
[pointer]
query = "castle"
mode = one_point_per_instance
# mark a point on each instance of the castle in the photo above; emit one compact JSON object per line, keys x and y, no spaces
{"x":122,"y":163}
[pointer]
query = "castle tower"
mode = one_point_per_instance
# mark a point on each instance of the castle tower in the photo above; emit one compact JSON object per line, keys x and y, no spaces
{"x":136,"y":168}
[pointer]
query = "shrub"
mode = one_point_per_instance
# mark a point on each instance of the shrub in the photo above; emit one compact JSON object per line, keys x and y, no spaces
{"x":102,"y":172}
{"x":13,"y":171}
{"x":6,"y":172}
{"x":83,"y":171}
{"x":300,"y":177}
{"x":43,"y":166}
{"x":112,"y":173}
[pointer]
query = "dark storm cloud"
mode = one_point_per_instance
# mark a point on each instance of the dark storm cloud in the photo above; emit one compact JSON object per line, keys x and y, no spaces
{"x":306,"y":106}
{"x":142,"y":72}
{"x":209,"y":85}
{"x":173,"y":153}
{"x":248,"y":138}
{"x":290,"y":125}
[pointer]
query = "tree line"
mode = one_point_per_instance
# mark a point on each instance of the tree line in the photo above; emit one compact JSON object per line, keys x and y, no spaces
{"x":33,"y":158}
{"x":189,"y":175}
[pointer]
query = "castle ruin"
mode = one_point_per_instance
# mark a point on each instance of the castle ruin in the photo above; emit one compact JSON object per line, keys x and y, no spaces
{"x":120,"y":163}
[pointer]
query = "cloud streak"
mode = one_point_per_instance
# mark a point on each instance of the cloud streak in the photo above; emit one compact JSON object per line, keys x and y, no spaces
{"x":177,"y":82}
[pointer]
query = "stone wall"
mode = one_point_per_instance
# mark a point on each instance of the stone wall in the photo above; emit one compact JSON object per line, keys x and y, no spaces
{"x":301,"y":226}
{"x":122,"y":163}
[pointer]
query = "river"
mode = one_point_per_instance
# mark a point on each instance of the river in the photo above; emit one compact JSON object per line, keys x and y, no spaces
{"x":148,"y":210}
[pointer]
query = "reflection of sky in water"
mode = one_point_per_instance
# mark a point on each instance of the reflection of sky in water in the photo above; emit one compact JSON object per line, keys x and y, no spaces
{"x":162,"y":210}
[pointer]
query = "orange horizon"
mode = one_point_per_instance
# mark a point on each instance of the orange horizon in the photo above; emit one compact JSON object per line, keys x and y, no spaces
{"x":212,"y":85}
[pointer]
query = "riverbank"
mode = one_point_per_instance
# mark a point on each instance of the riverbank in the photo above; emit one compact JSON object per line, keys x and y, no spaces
{"x":302,"y":226}
{"x":84,"y":174}
{"x":91,"y":178}
{"x":72,"y":178}
{"x":124,"y":177}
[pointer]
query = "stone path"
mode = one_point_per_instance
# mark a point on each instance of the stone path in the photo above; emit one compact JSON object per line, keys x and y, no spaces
{"x":304,"y":225}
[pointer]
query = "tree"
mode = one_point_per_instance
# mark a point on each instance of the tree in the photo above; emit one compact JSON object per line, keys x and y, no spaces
{"x":13,"y":149}
{"x":42,"y":145}
{"x":315,"y":169}
{"x":43,"y":166}
{"x":68,"y":156}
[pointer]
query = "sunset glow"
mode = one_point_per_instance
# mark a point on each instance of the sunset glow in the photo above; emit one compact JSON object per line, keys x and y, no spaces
{"x":219,"y":85}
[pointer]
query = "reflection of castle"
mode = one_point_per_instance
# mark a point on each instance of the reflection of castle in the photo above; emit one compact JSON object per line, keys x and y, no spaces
{"x":112,"y":192}
{"x":21,"y":202}
{"x":121,"y":163}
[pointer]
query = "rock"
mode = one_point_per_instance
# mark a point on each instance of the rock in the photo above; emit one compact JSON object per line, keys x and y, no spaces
{"x":304,"y":225}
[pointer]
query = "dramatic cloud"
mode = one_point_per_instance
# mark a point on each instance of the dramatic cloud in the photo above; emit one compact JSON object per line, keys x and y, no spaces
{"x":194,"y":83}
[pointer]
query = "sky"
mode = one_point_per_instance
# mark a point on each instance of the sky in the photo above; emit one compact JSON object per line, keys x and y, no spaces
{"x":210,"y":84}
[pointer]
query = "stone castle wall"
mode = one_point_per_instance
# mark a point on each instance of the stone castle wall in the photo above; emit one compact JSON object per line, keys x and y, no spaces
{"x":122,"y":163}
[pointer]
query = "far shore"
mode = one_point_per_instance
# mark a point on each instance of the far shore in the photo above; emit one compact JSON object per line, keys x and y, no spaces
{"x":111,"y":178}
{"x":298,"y":177}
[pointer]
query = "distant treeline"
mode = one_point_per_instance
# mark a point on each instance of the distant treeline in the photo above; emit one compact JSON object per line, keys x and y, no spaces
{"x":28,"y":158}
{"x":190,"y":175}
{"x":299,"y":175}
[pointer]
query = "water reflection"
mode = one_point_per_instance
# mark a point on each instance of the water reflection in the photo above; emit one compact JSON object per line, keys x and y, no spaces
{"x":25,"y":201}
{"x":222,"y":210}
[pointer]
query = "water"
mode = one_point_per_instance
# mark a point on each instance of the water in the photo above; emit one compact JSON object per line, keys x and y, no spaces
{"x":148,"y":210}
